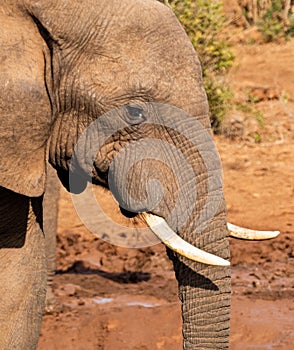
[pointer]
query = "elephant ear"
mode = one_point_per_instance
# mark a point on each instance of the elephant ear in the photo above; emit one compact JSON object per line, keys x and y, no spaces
{"x":25,"y":109}
{"x":22,"y":171}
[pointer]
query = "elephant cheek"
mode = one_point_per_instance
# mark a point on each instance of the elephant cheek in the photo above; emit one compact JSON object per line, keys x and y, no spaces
{"x":143,"y":185}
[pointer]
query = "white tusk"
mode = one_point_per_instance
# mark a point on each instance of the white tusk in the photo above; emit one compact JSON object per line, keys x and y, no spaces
{"x":245,"y":233}
{"x":161,"y":229}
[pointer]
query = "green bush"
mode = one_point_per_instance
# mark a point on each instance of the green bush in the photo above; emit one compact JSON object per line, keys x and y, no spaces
{"x":220,"y":98}
{"x":274,"y":18}
{"x":273,"y":24}
{"x":204,"y":22}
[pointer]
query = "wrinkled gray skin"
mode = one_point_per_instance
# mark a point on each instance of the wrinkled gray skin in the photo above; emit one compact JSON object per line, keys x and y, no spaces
{"x":63,"y":64}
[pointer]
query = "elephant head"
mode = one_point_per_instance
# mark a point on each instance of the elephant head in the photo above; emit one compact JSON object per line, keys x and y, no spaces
{"x":127,"y":67}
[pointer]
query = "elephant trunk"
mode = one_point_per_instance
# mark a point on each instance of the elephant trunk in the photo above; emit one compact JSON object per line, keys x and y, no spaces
{"x":205,"y":292}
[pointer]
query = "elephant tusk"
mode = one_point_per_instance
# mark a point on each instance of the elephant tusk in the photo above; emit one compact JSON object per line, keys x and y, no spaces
{"x":161,"y":229}
{"x":245,"y":233}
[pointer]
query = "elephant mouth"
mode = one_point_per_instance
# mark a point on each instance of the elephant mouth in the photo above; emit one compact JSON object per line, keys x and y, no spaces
{"x":127,"y":213}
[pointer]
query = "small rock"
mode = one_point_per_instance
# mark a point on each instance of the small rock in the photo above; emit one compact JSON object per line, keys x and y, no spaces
{"x":70,"y":289}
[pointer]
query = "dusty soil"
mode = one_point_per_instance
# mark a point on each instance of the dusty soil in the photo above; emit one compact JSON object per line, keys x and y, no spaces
{"x":117,"y":298}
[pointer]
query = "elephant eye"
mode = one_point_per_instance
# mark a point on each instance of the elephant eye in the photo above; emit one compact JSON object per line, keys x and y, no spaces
{"x":135,"y":114}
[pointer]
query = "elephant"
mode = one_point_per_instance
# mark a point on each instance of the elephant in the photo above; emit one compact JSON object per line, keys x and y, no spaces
{"x":128,"y":65}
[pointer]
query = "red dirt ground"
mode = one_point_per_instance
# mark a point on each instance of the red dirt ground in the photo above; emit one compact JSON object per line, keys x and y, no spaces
{"x":115,"y":298}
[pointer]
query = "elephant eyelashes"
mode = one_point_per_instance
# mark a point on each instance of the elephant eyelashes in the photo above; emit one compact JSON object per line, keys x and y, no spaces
{"x":135,"y":115}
